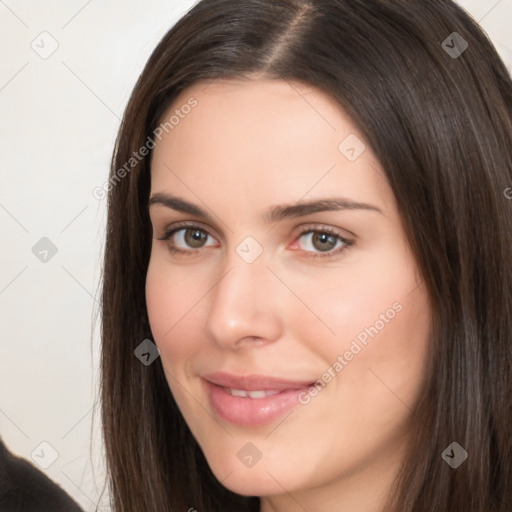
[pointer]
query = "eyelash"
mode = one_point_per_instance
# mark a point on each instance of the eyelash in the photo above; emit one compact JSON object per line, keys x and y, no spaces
{"x":179,"y":227}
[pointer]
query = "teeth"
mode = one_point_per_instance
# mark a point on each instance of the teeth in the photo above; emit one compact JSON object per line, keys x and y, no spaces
{"x":242,"y":393}
{"x":257,"y":394}
{"x":238,"y":392}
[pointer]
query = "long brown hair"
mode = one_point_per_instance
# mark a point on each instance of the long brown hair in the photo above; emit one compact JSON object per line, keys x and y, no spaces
{"x":436,"y":107}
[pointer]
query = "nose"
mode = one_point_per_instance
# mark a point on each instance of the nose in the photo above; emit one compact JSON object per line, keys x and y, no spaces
{"x":245,"y":305}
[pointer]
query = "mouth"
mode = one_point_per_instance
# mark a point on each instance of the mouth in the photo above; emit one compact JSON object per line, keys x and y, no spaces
{"x":252,"y":400}
{"x":242,"y":393}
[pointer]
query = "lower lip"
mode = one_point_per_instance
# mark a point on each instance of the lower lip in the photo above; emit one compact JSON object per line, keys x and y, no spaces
{"x":251,"y":412}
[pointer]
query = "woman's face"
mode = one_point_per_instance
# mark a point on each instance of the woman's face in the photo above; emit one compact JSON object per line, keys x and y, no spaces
{"x":293,"y":332}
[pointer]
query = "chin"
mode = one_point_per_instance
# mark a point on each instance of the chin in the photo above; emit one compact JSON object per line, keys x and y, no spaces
{"x":249,"y":485}
{"x":254,"y":481}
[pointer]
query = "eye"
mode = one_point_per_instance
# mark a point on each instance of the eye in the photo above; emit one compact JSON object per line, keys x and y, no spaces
{"x":323,"y":242}
{"x":186,"y":238}
{"x":318,"y":242}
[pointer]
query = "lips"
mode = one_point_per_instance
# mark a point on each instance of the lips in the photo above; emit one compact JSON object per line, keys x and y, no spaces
{"x":254,"y":382}
{"x":254,"y":399}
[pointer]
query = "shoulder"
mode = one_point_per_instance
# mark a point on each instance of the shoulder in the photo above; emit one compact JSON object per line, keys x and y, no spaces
{"x":23,"y":488}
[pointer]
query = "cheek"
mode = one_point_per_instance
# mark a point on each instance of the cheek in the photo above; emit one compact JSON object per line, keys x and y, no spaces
{"x":351,"y":296}
{"x":385,"y":362}
{"x":171,"y":297}
{"x":381,"y":319}
{"x":352,"y":308}
{"x":368,"y":401}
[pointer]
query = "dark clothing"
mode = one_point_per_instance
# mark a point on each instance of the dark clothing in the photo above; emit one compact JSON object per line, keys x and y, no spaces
{"x":23,"y":488}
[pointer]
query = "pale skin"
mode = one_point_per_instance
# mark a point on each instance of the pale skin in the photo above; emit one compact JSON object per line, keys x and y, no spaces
{"x":247,"y":147}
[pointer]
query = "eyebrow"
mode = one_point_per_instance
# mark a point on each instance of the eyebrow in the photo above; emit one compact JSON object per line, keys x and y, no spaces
{"x":276,"y":213}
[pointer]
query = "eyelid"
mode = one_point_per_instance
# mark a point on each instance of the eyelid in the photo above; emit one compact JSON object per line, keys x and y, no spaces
{"x":324,"y":228}
{"x":177,"y":226}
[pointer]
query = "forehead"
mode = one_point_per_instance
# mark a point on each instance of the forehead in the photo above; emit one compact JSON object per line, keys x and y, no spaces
{"x":265,"y":141}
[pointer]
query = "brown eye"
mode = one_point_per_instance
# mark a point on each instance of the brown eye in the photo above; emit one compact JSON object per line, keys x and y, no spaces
{"x":187,"y":239}
{"x":318,"y":243}
{"x":323,"y":241}
{"x":195,"y":238}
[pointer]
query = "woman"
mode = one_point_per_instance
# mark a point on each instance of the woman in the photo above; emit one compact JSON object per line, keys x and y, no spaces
{"x":307,"y":276}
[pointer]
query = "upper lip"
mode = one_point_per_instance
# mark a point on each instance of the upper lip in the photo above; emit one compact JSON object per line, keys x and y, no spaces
{"x":253,"y":382}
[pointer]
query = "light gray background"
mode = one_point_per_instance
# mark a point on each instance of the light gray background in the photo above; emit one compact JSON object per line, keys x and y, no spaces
{"x":58,"y":119}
